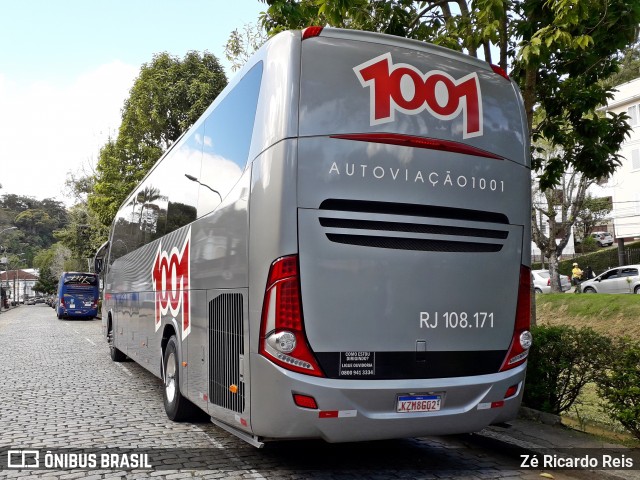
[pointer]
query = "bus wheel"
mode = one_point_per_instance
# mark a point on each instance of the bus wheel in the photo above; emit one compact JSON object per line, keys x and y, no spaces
{"x":178,"y":408}
{"x":116,"y":355}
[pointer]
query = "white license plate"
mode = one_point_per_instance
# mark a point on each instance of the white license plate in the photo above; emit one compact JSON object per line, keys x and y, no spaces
{"x":418,"y":403}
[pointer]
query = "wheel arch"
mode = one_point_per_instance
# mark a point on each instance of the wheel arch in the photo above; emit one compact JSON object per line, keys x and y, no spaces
{"x":170,"y":330}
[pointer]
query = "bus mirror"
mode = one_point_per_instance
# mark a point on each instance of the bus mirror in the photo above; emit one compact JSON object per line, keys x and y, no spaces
{"x":98,"y":259}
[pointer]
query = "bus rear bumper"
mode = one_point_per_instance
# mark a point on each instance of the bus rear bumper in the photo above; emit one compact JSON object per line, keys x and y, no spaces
{"x":358,"y":410}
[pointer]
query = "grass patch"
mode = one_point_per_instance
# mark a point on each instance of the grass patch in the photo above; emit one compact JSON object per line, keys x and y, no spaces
{"x":613,"y":315}
{"x":587,"y":415}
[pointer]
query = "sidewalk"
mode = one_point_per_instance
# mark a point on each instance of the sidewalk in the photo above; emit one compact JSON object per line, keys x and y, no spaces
{"x":11,"y":307}
{"x":533,"y":437}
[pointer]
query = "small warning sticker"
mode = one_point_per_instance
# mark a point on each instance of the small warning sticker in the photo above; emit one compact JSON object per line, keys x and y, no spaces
{"x":357,"y":364}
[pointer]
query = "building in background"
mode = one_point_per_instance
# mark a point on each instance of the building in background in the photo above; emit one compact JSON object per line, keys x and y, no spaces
{"x":19,"y":284}
{"x":625,"y":182}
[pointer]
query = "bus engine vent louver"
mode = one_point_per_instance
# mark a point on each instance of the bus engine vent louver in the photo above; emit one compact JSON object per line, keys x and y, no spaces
{"x":430,"y":229}
{"x":226,"y":346}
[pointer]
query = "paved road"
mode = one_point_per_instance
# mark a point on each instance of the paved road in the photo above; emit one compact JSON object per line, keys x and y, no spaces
{"x":60,"y":390}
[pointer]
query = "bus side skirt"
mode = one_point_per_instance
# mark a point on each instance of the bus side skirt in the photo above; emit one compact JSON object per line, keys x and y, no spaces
{"x":250,"y":439}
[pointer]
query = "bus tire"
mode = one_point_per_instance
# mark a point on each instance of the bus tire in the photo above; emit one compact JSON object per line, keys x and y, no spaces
{"x":116,"y":355}
{"x":178,"y":408}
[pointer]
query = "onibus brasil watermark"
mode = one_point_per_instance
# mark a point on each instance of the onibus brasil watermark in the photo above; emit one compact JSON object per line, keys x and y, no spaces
{"x":48,"y":459}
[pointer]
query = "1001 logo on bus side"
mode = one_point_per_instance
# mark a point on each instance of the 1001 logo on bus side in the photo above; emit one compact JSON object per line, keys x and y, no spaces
{"x":170,"y":277}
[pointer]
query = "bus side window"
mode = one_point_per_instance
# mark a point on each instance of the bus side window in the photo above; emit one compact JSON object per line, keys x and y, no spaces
{"x":227,"y":139}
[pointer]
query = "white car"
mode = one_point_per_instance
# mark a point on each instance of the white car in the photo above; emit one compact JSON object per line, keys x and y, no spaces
{"x":542,"y":281}
{"x":624,"y":279}
{"x":603,"y":239}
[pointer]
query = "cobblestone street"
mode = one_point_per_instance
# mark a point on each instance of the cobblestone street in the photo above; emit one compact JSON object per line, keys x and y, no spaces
{"x":60,"y":390}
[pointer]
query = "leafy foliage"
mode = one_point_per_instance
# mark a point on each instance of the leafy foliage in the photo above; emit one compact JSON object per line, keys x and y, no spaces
{"x":36,"y":222}
{"x":629,"y":67}
{"x":168,"y":96}
{"x":620,"y":385}
{"x":55,"y":259}
{"x":241,"y":44}
{"x":83,"y":235}
{"x":47,"y":283}
{"x":561,"y":361}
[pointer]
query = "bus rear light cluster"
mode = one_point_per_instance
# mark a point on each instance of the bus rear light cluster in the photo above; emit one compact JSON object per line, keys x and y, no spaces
{"x":500,"y":71}
{"x":522,"y":338}
{"x":311,"y":32}
{"x":282,"y":335}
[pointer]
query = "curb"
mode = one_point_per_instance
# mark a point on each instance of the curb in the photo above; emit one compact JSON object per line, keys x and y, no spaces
{"x":538,"y":416}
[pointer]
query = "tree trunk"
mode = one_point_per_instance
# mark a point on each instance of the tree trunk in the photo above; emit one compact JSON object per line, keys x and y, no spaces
{"x":553,"y":272}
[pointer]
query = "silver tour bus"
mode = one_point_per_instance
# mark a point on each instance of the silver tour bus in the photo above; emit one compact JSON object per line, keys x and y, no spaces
{"x":338,"y":248}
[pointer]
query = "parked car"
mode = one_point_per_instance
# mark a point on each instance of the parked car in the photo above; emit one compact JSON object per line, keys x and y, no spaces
{"x":624,"y":279}
{"x":603,"y":239}
{"x":542,"y":281}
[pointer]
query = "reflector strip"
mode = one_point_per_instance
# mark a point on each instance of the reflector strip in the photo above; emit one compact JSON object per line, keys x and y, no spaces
{"x":241,"y":421}
{"x":419,"y":142}
{"x":337,"y":413}
{"x":487,"y":406}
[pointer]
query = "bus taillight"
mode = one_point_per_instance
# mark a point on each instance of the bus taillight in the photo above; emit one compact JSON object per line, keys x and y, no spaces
{"x":521,"y":341}
{"x":282,"y":336}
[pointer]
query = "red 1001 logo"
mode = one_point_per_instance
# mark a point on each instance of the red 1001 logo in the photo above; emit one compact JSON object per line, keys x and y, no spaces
{"x":404,"y":88}
{"x":170,"y":277}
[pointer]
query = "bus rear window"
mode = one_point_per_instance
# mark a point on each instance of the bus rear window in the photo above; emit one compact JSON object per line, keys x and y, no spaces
{"x":81,"y":280}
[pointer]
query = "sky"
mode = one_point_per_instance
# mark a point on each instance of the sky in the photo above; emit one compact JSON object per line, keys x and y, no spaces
{"x":67,"y":66}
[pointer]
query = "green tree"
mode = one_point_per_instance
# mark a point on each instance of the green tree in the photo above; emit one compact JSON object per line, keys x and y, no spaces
{"x":559,"y":51}
{"x":241,"y":44}
{"x":629,"y":67}
{"x":54,"y":259}
{"x":83,"y":235}
{"x":47,"y":282}
{"x":36,"y":221}
{"x":594,"y":211}
{"x":166,"y":99}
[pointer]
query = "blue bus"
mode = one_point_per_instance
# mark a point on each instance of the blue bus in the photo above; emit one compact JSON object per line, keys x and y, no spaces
{"x":77,"y":295}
